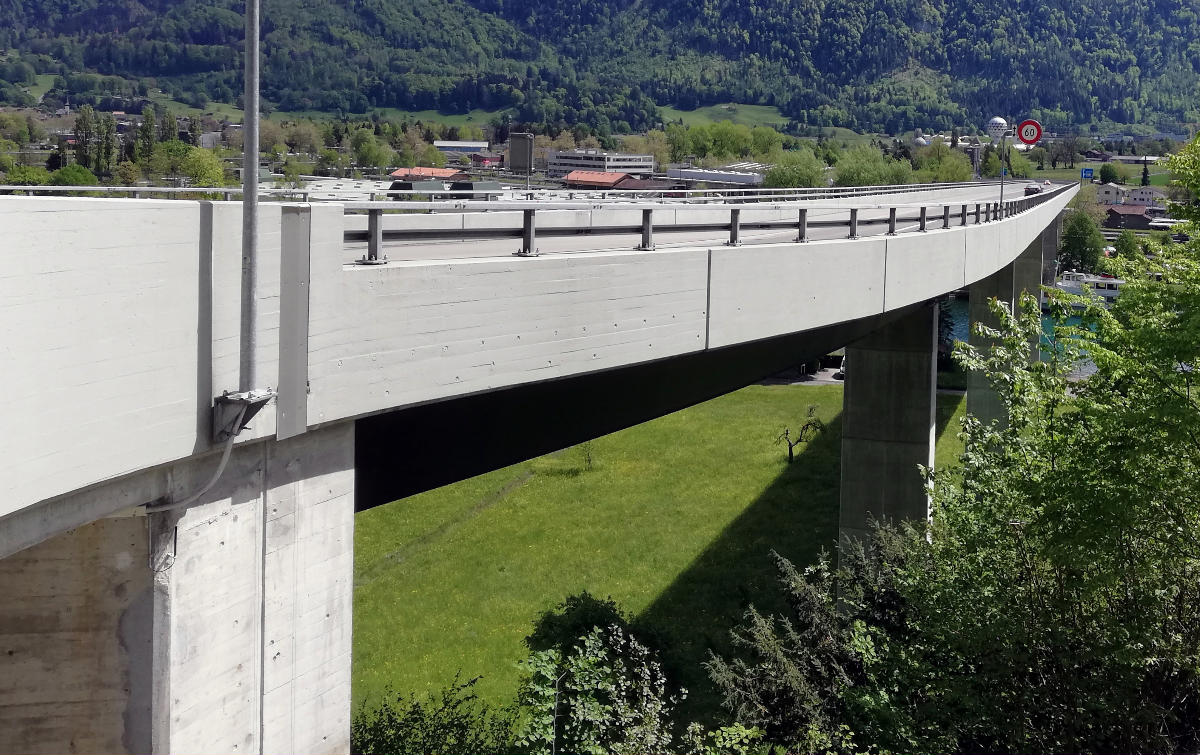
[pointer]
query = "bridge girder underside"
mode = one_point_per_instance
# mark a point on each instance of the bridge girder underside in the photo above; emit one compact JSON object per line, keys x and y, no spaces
{"x":411,"y":450}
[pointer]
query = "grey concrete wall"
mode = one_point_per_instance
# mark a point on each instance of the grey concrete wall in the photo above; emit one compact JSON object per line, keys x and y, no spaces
{"x":225,"y":628}
{"x":123,"y":322}
{"x":120,"y":324}
{"x":255,"y":603}
{"x":888,"y":422}
{"x":1023,"y":274}
{"x":75,"y":626}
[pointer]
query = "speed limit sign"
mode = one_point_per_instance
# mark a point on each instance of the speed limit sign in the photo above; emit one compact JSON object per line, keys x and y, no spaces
{"x":1029,"y":131}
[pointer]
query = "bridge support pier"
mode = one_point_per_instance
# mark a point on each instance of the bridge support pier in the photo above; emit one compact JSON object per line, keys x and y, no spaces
{"x":222,"y":628}
{"x":1026,"y":273}
{"x":888,"y":422}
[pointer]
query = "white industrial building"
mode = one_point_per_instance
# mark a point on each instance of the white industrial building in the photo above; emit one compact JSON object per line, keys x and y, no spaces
{"x":562,"y":163}
{"x":742,"y":178}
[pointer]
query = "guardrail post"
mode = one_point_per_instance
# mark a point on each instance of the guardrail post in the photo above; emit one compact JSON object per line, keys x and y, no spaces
{"x":374,"y":254}
{"x":964,"y":215}
{"x":854,"y":223}
{"x":528,"y":236}
{"x":735,"y":227}
{"x":892,"y":222}
{"x":647,"y":231}
{"x":924,"y":219}
{"x":802,"y":226}
{"x":976,"y":213}
{"x":945,"y":216}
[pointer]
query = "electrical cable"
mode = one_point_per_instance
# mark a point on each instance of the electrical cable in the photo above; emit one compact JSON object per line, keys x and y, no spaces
{"x":153,"y":507}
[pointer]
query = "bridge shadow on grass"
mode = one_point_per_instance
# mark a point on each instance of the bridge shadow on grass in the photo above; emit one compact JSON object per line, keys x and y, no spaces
{"x":797,"y":516}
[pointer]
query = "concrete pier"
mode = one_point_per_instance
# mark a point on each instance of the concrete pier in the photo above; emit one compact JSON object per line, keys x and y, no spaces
{"x":222,"y":628}
{"x":888,"y":422}
{"x":1026,"y":273}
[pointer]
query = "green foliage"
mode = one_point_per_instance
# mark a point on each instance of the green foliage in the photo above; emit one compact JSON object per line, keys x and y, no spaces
{"x":453,"y":723}
{"x":202,"y":167}
{"x":1082,"y":244}
{"x":734,"y":739}
{"x":1185,"y":165}
{"x":605,"y":694}
{"x":799,"y":168}
{"x":73,"y":175}
{"x":28,"y":175}
{"x":128,"y":173}
{"x":1050,"y":606}
{"x":941,"y":164}
{"x":1127,"y":245}
{"x":875,"y":66}
{"x":1109,"y":174}
{"x":867,"y":166}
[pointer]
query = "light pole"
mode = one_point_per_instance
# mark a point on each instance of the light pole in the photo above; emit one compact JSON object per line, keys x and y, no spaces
{"x":1003,"y":165}
{"x":250,"y":107}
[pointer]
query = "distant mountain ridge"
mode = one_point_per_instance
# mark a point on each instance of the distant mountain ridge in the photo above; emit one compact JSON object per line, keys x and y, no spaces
{"x":885,"y":65}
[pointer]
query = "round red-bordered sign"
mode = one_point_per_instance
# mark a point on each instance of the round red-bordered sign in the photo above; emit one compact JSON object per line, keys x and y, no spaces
{"x":1030,"y":131}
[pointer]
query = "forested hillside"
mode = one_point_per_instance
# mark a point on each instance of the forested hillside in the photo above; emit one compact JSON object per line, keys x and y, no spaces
{"x":884,"y":65}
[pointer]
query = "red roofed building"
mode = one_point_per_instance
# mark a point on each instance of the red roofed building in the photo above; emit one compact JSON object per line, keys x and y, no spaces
{"x":426,"y":174}
{"x":593,"y":179}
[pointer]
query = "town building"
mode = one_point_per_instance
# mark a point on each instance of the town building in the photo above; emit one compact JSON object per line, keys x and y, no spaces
{"x":728,"y":177}
{"x":464,"y":148}
{"x":1131,"y":216}
{"x":426,"y":174}
{"x":593,"y":179}
{"x":1111,"y":193}
{"x":562,"y":163}
{"x":1146,"y":195}
{"x":487,"y":160}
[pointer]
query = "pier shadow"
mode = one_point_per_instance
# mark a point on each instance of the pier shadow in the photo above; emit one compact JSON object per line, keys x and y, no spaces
{"x":797,"y":516}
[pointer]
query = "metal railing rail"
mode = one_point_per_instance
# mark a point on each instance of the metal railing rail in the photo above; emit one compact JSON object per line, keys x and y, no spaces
{"x":666,"y":196}
{"x":981,"y":212}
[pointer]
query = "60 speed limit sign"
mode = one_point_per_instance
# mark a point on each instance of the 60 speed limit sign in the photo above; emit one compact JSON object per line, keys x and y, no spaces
{"x":1029,"y":131}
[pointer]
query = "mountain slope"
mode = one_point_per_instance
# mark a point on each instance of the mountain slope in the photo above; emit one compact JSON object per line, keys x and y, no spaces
{"x":870,"y":64}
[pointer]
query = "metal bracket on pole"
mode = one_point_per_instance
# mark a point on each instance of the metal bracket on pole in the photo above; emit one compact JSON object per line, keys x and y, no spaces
{"x":854,"y":223}
{"x":964,"y":215}
{"x":374,"y":240}
{"x":647,"y":231}
{"x":802,"y":226}
{"x":735,"y":227}
{"x":976,"y":213}
{"x":528,"y":236}
{"x":233,"y":411}
{"x":892,"y":222}
{"x":945,"y":216}
{"x":924,"y":219}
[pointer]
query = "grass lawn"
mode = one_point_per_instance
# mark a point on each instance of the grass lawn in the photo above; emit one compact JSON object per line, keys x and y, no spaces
{"x":751,"y":115}
{"x":44,"y":82}
{"x":674,"y":519}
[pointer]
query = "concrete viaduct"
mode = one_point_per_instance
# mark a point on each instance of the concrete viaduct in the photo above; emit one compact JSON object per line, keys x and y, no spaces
{"x":147,"y":610}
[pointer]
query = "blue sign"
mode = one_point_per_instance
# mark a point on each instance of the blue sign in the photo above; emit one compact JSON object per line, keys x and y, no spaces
{"x":1085,"y":172}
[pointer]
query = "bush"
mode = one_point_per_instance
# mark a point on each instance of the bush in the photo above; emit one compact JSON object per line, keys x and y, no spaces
{"x":452,"y":724}
{"x":605,"y":694}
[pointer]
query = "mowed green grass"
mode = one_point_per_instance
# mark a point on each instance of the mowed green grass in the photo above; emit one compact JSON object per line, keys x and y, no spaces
{"x":750,"y":115}
{"x":675,"y":520}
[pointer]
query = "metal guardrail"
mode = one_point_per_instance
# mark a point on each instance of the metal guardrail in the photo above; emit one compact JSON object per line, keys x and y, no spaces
{"x":605,"y":196}
{"x":980,"y":212}
{"x":647,"y":202}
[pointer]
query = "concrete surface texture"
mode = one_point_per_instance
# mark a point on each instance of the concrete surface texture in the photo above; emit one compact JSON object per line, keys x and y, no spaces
{"x":889,"y":422}
{"x":226,"y":627}
{"x":223,"y":628}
